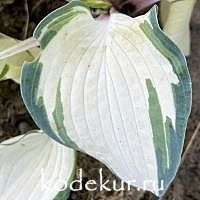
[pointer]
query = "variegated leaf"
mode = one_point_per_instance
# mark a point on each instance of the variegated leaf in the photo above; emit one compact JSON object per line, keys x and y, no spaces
{"x":35,"y":167}
{"x":115,"y":88}
{"x":175,"y":18}
{"x":10,"y":68}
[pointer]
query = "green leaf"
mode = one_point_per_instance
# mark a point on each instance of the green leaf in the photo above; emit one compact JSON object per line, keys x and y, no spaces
{"x":32,"y":167}
{"x":115,"y":88}
{"x":102,"y":4}
{"x":175,"y":18}
{"x":4,"y":71}
{"x":10,"y":68}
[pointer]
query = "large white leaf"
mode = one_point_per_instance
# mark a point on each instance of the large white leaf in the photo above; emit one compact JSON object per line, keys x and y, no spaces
{"x":33,"y":166}
{"x":175,"y":18}
{"x":115,"y":88}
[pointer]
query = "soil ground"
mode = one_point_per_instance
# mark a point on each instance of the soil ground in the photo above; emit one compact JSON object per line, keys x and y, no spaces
{"x":18,"y":19}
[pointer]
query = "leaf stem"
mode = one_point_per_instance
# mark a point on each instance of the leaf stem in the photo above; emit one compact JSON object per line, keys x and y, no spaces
{"x":191,"y":142}
{"x":20,"y":47}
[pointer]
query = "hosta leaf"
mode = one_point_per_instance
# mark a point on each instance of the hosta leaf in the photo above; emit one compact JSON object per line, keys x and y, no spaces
{"x":33,"y":166}
{"x":115,"y":88}
{"x":10,"y":68}
{"x":103,"y":4}
{"x":175,"y":19}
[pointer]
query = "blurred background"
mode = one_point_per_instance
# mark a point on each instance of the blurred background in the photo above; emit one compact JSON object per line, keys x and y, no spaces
{"x":18,"y":19}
